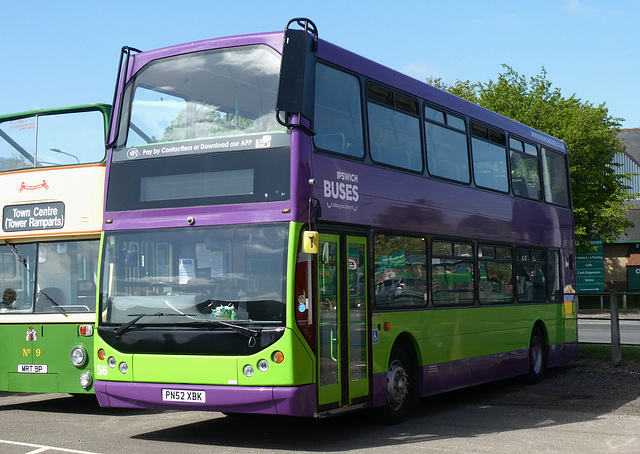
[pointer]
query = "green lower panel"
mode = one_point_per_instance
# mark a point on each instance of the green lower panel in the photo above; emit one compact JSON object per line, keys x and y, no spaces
{"x":45,"y":345}
{"x":33,"y":383}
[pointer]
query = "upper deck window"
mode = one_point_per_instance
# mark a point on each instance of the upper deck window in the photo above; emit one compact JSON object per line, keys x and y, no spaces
{"x":338,"y":112}
{"x":489,"y":158}
{"x":447,"y":149}
{"x":394,"y":129}
{"x":525,"y":169}
{"x":555,"y":177}
{"x":200,"y":129}
{"x":55,"y":139}
{"x":211,"y":101}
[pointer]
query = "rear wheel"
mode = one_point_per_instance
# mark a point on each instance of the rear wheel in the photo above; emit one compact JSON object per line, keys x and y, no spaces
{"x":537,"y":356}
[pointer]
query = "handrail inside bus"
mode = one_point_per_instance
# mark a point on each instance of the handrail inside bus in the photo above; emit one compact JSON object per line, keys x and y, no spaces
{"x":17,"y":146}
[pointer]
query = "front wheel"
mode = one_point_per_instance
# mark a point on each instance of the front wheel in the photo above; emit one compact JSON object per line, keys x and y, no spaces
{"x":398,"y":386}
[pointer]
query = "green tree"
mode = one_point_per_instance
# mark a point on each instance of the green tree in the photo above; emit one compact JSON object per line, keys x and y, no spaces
{"x":589,"y":132}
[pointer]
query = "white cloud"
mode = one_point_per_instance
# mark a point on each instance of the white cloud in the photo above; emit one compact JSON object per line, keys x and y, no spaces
{"x":578,"y":7}
{"x":418,"y":71}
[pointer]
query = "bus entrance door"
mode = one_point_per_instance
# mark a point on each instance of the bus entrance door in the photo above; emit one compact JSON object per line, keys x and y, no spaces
{"x":343,"y":372}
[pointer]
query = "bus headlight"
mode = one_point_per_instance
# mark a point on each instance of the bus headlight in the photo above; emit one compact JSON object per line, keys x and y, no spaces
{"x":123,"y":367}
{"x":263,"y":365}
{"x":78,"y":356}
{"x":248,"y":371}
{"x":85,"y":380}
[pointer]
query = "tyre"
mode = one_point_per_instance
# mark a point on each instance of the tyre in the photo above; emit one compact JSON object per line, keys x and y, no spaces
{"x":537,"y":356}
{"x":399,"y":382}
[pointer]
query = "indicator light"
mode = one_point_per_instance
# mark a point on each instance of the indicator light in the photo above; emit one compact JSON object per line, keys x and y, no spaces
{"x":277,"y":357}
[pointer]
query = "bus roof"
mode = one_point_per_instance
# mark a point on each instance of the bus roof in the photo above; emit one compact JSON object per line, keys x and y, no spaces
{"x":357,"y":63}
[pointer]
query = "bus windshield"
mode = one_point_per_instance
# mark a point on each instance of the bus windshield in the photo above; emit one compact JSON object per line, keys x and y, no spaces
{"x":196,"y":275}
{"x":199,"y":97}
{"x":56,"y":276}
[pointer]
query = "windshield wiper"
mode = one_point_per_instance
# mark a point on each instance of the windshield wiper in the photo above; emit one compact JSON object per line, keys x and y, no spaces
{"x":252,"y":334}
{"x":18,"y":255}
{"x":55,"y":304}
{"x":119,"y":331}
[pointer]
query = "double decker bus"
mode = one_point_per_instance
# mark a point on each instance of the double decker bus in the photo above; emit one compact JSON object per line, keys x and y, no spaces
{"x":293,"y":229}
{"x":52,"y":166}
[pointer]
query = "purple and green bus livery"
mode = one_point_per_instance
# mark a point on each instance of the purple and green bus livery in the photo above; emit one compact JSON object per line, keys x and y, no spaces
{"x":260,"y":190}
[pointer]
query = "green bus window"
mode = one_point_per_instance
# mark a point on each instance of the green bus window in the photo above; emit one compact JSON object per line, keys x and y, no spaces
{"x":338,"y":112}
{"x":17,"y":280}
{"x":495,"y":274}
{"x":66,"y":276}
{"x":452,"y":273}
{"x":400,"y":270}
{"x":52,"y":140}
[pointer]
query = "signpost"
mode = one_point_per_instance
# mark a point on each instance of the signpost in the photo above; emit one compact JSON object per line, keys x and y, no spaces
{"x":590,"y":270}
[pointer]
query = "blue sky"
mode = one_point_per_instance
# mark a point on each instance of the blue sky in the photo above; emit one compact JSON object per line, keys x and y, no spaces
{"x":66,"y":52}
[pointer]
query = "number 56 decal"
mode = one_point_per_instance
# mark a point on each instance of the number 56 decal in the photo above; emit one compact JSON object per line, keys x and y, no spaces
{"x":102,"y":370}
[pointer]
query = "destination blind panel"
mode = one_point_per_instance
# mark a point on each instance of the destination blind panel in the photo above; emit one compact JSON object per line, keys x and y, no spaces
{"x":33,"y":216}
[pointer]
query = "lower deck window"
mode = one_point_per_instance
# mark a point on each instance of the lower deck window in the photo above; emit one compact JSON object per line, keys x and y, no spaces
{"x":452,"y":273}
{"x":495,"y":270}
{"x":531,"y":275}
{"x":401,"y":275}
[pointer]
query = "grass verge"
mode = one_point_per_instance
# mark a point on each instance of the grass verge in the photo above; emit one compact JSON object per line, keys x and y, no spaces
{"x":598,"y":356}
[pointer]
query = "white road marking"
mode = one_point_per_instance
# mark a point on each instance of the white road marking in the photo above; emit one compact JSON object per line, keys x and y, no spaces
{"x":42,"y":448}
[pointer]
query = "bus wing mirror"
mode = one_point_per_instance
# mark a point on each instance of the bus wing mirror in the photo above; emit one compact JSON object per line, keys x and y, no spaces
{"x":297,"y":70}
{"x":310,"y":242}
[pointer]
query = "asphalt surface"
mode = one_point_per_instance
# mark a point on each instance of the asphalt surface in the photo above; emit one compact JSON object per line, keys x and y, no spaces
{"x":580,"y":408}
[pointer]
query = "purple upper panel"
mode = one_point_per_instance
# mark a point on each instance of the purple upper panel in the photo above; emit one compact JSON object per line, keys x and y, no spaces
{"x":353,"y":193}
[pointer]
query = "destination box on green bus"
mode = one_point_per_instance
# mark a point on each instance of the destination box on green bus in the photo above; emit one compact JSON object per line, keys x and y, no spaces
{"x":33,"y":216}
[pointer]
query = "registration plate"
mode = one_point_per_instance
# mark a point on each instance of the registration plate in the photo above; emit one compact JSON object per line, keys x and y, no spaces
{"x":183,"y":395}
{"x":32,"y":368}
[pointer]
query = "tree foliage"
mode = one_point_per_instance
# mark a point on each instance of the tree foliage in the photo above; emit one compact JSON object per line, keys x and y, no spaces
{"x":589,"y":132}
